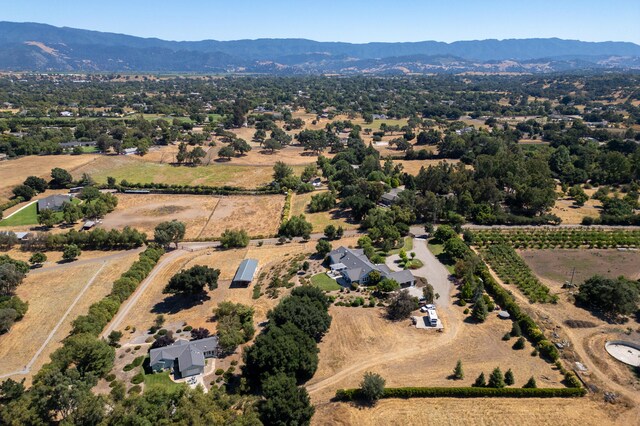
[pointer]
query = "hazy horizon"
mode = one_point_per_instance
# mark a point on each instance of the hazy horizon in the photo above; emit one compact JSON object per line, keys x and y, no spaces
{"x":353,"y":22}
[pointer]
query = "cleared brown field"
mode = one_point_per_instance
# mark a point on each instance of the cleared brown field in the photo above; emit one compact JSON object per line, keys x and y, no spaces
{"x":319,"y":220}
{"x":256,"y":214}
{"x":570,"y":214}
{"x":205,"y":216}
{"x":557,"y":265}
{"x":50,"y":292}
{"x":413,"y":166}
{"x":14,"y":172}
{"x":153,"y":301}
{"x":477,"y":411}
{"x":586,"y":345}
{"x":361,"y":340}
{"x":144,"y":212}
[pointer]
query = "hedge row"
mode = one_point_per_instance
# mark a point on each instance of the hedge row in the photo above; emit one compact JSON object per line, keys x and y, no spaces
{"x":10,"y":204}
{"x":98,"y":239}
{"x":527,"y":324}
{"x":287,"y":206}
{"x":163,"y":188}
{"x":467,"y":392}
{"x":508,"y":303}
{"x":100,"y":313}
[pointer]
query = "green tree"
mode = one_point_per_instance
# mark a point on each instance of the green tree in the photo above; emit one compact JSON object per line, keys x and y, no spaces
{"x":70,"y":252}
{"x":612,"y":297}
{"x":458,"y":372}
{"x":297,"y":226}
{"x":38,"y":184}
{"x":323,"y":248}
{"x":480,"y":311}
{"x":496,"y":379}
{"x":10,"y":278}
{"x":71,"y":213}
{"x":444,"y":233}
{"x":531,"y":383}
{"x":48,"y":218}
{"x":166,"y":233}
{"x":272,"y":145}
{"x":38,"y":258}
{"x":227,"y":152}
{"x":281,"y":171}
{"x":480,"y":381}
{"x":372,"y":387}
{"x":193,"y":281}
{"x":24,"y":191}
{"x":401,"y":306}
{"x":281,"y":349}
{"x":285,"y":403}
{"x":234,"y":238}
{"x":60,"y":177}
{"x":330,"y":232}
{"x":508,"y":378}
{"x":309,"y":314}
{"x":456,"y":248}
{"x":387,"y":285}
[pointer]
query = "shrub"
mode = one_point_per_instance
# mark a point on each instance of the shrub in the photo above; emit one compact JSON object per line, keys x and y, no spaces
{"x":372,"y":387}
{"x":135,"y":389}
{"x":138,"y":378}
{"x":110,"y":377}
{"x":531,"y":384}
{"x":219,"y":371}
{"x":519,"y":344}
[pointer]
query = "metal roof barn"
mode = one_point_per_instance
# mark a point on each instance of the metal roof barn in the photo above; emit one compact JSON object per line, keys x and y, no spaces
{"x":246,"y":271}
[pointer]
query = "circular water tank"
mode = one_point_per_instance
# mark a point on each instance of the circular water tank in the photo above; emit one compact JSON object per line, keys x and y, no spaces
{"x":626,"y":352}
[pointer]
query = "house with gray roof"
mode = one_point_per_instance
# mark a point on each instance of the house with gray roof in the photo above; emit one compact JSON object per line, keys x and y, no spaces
{"x":183,"y":357}
{"x":355,"y":267}
{"x":391,"y":197}
{"x":53,"y":202}
{"x":246,"y":271}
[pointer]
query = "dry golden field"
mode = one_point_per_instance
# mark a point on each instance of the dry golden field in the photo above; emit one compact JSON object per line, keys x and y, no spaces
{"x":56,"y":295}
{"x":14,"y":172}
{"x":205,"y":216}
{"x":319,"y":220}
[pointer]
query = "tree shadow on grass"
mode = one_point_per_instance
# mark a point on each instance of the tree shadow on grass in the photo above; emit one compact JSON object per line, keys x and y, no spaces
{"x":178,"y":302}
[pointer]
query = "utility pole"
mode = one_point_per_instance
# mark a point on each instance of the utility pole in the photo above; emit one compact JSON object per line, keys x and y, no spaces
{"x":573,"y":274}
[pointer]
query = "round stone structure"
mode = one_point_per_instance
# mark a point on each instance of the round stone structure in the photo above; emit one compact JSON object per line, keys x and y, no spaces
{"x":623,"y":351}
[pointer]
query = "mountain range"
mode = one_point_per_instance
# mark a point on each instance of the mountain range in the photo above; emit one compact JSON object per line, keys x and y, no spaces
{"x":45,"y":48}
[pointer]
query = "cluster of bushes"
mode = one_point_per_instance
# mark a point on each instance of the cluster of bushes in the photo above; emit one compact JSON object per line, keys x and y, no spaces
{"x":465,"y":392}
{"x":513,"y":270}
{"x":235,"y":325}
{"x":285,"y":355}
{"x":558,"y":238}
{"x":322,"y":202}
{"x":165,"y":188}
{"x":100,"y":313}
{"x":98,"y":239}
{"x":234,"y":239}
{"x":12,"y":309}
{"x":297,"y":226}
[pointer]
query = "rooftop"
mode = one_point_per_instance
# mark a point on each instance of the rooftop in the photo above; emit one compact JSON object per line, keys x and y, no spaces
{"x":246,"y":270}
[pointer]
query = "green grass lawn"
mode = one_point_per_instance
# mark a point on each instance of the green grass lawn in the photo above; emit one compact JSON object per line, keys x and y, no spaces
{"x":323,"y":282}
{"x":28,"y":216}
{"x":160,"y":380}
{"x":438,"y":250}
{"x":138,"y":171}
{"x":391,"y":122}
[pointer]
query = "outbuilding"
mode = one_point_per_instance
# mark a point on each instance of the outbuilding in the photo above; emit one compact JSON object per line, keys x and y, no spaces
{"x":246,"y":271}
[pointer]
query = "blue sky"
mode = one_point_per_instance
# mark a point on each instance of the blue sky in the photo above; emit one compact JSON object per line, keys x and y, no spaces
{"x":356,"y":21}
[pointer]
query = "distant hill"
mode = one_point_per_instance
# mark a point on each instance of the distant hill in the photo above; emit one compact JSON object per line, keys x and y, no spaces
{"x":40,"y":47}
